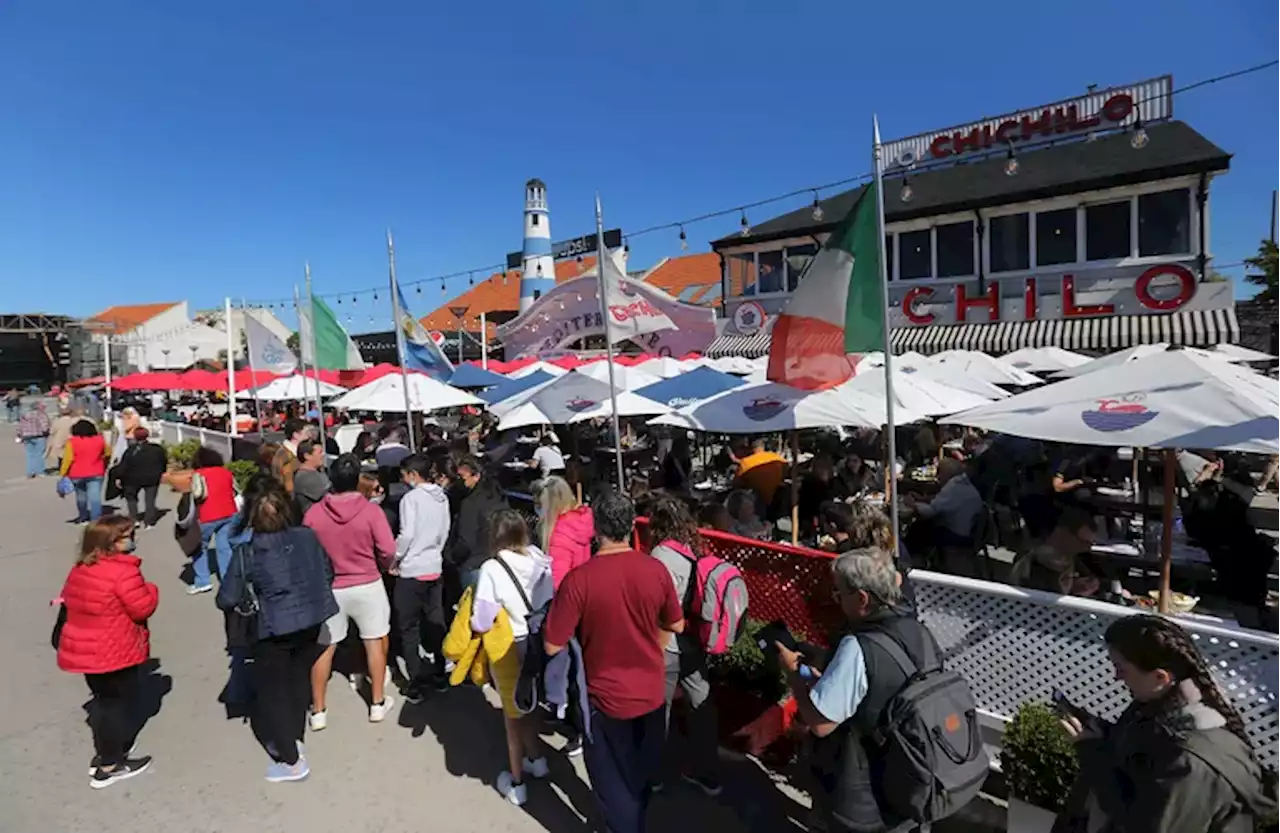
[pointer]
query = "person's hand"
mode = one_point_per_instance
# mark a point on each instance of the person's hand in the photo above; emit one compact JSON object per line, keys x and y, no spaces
{"x":1077,"y":731}
{"x":790,"y":660}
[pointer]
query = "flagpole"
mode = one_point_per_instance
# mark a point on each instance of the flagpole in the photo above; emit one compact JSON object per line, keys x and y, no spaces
{"x":315,"y":357}
{"x":253,"y":376}
{"x":302,"y":349}
{"x":601,"y":254}
{"x":892,"y":446}
{"x":231,"y":370}
{"x":399,"y":331}
{"x":484,"y":342}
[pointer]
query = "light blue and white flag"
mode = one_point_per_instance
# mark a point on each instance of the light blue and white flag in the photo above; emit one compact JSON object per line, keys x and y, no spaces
{"x":421,"y":352}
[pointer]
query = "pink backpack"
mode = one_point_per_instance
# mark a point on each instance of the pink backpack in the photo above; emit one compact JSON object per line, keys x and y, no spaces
{"x":716,"y":600}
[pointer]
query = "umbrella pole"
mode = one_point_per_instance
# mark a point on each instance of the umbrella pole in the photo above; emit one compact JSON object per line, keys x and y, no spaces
{"x":1166,"y":542}
{"x":795,"y":488}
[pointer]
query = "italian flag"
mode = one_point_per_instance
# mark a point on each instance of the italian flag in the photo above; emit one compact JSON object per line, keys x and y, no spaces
{"x":837,"y":314}
{"x":325,"y":345}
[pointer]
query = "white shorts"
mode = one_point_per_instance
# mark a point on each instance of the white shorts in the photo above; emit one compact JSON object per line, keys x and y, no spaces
{"x":367,"y":604}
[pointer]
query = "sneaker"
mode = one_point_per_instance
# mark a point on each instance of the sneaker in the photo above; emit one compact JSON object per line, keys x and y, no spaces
{"x":318,"y":721}
{"x":413,"y":695}
{"x":378,"y":711}
{"x":536,"y":767}
{"x":197,"y":589}
{"x":440,"y":684}
{"x":97,"y":760}
{"x":278,"y":772}
{"x":709,"y":786}
{"x":574,"y":747}
{"x":514,"y":793}
{"x":106,"y":777}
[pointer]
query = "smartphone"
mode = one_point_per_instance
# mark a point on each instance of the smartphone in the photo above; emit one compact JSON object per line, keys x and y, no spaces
{"x":1063,"y":706}
{"x":775,"y":632}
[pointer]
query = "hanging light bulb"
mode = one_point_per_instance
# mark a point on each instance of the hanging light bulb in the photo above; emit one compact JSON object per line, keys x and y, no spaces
{"x":471,"y":279}
{"x":684,"y":240}
{"x":355,"y":299}
{"x":817,"y":212}
{"x":1139,"y":138}
{"x":1011,"y":162}
{"x":746,"y":227}
{"x":339,"y":300}
{"x":442,"y":289}
{"x":907,"y":191}
{"x":539,"y":270}
{"x":375,"y":296}
{"x":418,"y":289}
{"x":626,"y":246}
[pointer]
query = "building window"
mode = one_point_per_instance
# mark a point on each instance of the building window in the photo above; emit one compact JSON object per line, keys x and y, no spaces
{"x":915,"y":255}
{"x":888,"y":256}
{"x":1056,"y":237}
{"x":798,"y":258}
{"x":1106,"y":231}
{"x":771,"y":277}
{"x":1164,"y":223}
{"x":955,"y":249}
{"x":533,"y":220}
{"x":741,"y":270}
{"x":1010,"y":243}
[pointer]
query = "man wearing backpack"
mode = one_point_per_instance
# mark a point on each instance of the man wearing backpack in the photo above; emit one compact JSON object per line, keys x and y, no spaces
{"x":882,"y":695}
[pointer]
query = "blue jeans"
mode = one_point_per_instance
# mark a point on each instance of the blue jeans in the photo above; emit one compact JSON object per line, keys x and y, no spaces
{"x":88,"y":498}
{"x":203,"y":577}
{"x":14,"y":412}
{"x":34,"y":446}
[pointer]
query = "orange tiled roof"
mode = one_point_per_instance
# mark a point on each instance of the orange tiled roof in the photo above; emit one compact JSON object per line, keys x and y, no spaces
{"x":677,"y":274}
{"x":124,"y":318}
{"x":498,"y":293}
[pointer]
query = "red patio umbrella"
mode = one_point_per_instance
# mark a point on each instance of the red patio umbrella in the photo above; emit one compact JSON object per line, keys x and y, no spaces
{"x":92,"y":380}
{"x":156,"y":380}
{"x":205,"y":380}
{"x":378,"y":371}
{"x":568,"y":362}
{"x":516,"y":364}
{"x":247,"y":379}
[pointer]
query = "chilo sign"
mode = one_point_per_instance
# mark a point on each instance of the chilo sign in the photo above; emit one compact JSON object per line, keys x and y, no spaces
{"x":1047,"y":123}
{"x":986,"y":307}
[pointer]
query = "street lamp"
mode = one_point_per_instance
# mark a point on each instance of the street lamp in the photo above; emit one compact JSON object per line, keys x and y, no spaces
{"x":193,"y":349}
{"x":460,"y":312}
{"x":164,"y":351}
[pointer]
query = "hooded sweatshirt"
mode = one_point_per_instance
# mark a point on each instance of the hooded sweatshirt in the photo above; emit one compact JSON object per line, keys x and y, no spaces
{"x":355,"y":534}
{"x":424,"y":529}
{"x":570,"y":542}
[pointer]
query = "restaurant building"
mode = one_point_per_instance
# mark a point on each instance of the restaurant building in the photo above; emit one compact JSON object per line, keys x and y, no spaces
{"x":1082,"y":224}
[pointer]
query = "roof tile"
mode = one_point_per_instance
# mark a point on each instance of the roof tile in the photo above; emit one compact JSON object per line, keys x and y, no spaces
{"x":126,"y":317}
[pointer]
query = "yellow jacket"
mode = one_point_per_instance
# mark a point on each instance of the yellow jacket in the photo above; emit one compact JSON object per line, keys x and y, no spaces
{"x":476,"y":655}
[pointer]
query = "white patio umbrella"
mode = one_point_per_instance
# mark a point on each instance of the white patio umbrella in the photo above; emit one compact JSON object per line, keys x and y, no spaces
{"x":953,"y":378}
{"x":913,"y":392}
{"x":983,"y":367}
{"x":626,"y":378}
{"x":1043,"y":359}
{"x":291,"y":388}
{"x":387,"y":394}
{"x":554,"y":370}
{"x":768,"y":407}
{"x":1236,"y":353}
{"x":1170,"y":399}
{"x":573,"y":398}
{"x":737,"y":365}
{"x":1110,"y":360}
{"x":662,"y":366}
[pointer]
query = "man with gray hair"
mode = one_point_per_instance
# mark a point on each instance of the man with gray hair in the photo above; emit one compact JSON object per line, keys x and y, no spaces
{"x":841,"y":703}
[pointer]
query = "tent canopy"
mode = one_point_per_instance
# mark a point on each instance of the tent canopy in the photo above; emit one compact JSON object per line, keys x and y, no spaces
{"x":387,"y":395}
{"x":515,"y":387}
{"x":1043,"y":359}
{"x":470,"y":376}
{"x":981,"y":366}
{"x":291,"y":389}
{"x":690,"y":387}
{"x":626,"y":378}
{"x":916,"y":393}
{"x":572,"y":398}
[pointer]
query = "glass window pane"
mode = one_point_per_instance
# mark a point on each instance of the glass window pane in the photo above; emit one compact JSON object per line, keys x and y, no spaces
{"x":1010,"y":243}
{"x":955,"y":249}
{"x":915,"y":254}
{"x":742,"y":274}
{"x":1056,"y":237}
{"x":888,"y":256}
{"x":771,"y":279}
{"x":798,"y":258}
{"x":1106,"y":231}
{"x":1164,"y":223}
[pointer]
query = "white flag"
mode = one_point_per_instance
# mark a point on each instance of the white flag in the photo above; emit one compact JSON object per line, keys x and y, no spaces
{"x":266,"y":350}
{"x":630,"y":312}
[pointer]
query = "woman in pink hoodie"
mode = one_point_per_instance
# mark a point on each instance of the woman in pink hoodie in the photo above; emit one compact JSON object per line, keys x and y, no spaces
{"x":565,"y":528}
{"x":356,"y":535}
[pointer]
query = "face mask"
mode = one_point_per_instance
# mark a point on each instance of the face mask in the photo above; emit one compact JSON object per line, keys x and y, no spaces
{"x":129,"y":546}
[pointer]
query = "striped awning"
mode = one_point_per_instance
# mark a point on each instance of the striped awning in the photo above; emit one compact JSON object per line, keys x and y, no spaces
{"x":751,"y":347}
{"x":1188,"y":328}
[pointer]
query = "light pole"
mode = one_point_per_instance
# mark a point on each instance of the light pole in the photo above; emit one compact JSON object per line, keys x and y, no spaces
{"x":164,"y":351}
{"x":193,"y":350}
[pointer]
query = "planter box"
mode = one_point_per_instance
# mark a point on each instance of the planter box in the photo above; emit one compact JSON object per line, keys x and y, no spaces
{"x":1028,"y":818}
{"x":750,"y":725}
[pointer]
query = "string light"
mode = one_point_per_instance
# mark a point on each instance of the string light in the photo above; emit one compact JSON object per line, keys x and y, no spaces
{"x":907,"y":191}
{"x":684,"y":240}
{"x":1011,"y":163}
{"x":746,"y":227}
{"x":1139,"y":139}
{"x":817,"y":212}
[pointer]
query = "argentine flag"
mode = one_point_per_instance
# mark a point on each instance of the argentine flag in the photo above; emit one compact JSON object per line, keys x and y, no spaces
{"x":421,"y":353}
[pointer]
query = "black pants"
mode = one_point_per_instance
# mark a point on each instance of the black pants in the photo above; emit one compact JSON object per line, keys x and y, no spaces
{"x":622,"y":759}
{"x":149,"y":500}
{"x":283,"y":667}
{"x":419,"y":611}
{"x":115,"y":695}
{"x":687,"y":671}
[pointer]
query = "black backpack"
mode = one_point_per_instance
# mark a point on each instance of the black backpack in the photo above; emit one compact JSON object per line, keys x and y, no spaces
{"x":930,"y":750}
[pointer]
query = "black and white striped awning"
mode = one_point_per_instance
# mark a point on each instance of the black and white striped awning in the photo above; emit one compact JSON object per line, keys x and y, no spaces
{"x":751,"y":347}
{"x":1188,"y":328}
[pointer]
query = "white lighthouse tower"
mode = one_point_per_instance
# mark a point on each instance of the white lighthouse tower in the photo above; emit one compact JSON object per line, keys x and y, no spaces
{"x":538,"y":272}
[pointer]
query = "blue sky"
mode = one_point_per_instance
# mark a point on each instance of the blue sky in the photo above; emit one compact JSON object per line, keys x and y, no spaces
{"x":155,"y":151}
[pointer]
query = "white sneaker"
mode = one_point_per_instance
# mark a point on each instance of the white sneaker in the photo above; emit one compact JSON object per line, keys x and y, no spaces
{"x":516,"y":794}
{"x":378,"y":711}
{"x":536,"y":767}
{"x":318,"y":721}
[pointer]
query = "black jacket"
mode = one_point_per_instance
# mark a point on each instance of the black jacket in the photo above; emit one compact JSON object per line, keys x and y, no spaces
{"x":468,"y":544}
{"x":142,"y":464}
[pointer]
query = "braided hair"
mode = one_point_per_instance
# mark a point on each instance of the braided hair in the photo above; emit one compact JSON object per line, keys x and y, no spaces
{"x":1152,"y":642}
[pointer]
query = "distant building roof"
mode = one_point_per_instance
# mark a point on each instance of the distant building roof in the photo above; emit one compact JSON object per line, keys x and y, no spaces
{"x":499,"y":293}
{"x":690,"y":278}
{"x":1173,"y":149}
{"x":124,"y":318}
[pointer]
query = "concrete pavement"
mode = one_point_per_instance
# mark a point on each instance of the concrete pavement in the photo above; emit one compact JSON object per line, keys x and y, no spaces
{"x":429,"y":767}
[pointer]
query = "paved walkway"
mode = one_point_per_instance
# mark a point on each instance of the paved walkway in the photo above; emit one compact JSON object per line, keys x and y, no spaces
{"x":429,"y":767}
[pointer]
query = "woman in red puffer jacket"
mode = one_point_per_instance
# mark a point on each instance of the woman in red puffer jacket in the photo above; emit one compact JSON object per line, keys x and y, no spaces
{"x":105,"y":637}
{"x":565,"y":529}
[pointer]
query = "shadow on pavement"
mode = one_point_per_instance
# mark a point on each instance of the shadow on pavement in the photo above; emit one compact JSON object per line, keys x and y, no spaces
{"x":153,"y":687}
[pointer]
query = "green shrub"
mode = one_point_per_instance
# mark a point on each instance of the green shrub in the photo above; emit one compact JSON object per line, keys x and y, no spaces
{"x":1038,"y":757}
{"x":182,"y":455}
{"x":243,"y":471}
{"x":748,"y":667}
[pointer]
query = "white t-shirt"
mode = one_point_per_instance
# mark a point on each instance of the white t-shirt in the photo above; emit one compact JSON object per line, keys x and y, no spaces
{"x":533,"y":569}
{"x":548,"y":458}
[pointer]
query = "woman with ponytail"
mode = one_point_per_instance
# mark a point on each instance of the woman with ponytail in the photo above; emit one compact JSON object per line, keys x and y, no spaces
{"x":1178,"y":758}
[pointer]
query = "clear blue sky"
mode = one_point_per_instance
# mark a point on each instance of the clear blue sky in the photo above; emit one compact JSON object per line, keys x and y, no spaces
{"x":155,"y":151}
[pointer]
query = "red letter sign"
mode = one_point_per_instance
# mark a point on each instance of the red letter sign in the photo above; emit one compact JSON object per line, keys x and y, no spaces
{"x":1030,"y":300}
{"x":991,"y":301}
{"x":909,"y":304}
{"x":1186,"y":291}
{"x":1069,"y":307}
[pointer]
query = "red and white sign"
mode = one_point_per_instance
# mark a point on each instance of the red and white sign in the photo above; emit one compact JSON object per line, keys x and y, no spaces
{"x":1097,"y":110}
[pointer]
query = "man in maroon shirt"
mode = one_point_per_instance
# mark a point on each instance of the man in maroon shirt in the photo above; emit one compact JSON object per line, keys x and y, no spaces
{"x":623,"y":608}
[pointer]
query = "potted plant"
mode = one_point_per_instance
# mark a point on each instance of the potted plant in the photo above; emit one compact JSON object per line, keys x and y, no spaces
{"x":1038,"y":760}
{"x":750,"y":690}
